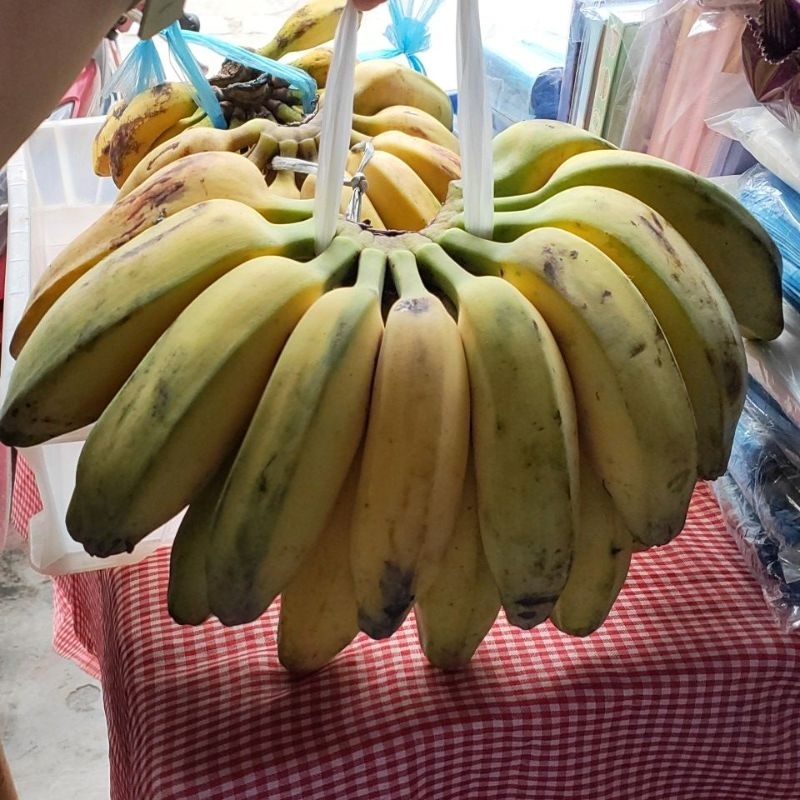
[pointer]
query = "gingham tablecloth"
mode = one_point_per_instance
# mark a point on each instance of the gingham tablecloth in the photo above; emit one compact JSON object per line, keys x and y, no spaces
{"x":688,"y":692}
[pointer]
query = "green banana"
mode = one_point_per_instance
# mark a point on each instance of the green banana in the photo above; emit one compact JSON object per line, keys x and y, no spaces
{"x":634,"y":415}
{"x":298,"y":448}
{"x":524,"y":436}
{"x":737,"y":250}
{"x":690,"y":307}
{"x":94,"y":335}
{"x":525,"y":155}
{"x":188,"y":403}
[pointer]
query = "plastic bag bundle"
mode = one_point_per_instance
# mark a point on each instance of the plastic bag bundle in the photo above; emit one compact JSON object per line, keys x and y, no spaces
{"x":760,"y":554}
{"x":408,"y":31}
{"x":760,"y":500}
{"x":143,"y":67}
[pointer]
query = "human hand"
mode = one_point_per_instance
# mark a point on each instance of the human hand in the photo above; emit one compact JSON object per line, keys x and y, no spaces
{"x":366,"y":5}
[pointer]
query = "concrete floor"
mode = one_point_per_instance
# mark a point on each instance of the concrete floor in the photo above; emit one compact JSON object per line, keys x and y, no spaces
{"x":52,"y":722}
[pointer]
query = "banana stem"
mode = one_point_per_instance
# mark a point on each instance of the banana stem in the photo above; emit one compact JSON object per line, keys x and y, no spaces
{"x":405,"y":274}
{"x":372,"y":269}
{"x":338,"y":259}
{"x":445,"y":272}
{"x":479,"y":256}
{"x":263,"y":151}
{"x":518,"y":202}
{"x":510,"y":225}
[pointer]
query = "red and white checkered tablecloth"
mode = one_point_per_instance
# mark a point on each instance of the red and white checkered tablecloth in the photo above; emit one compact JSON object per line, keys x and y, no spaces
{"x":689,"y":692}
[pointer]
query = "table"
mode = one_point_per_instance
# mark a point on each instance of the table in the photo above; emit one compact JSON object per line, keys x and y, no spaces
{"x":688,"y":692}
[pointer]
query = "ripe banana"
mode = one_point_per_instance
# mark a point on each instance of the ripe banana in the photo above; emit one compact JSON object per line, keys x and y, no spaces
{"x":737,"y":250}
{"x":181,"y":184}
{"x":410,"y":120}
{"x":415,"y":455}
{"x":436,"y":165}
{"x":525,"y":155}
{"x":310,"y":25}
{"x":368,"y":213}
{"x":95,"y":334}
{"x":399,"y":195}
{"x":379,"y":82}
{"x":101,"y":144}
{"x":318,"y":615}
{"x":602,"y":555}
{"x":635,"y":419}
{"x":316,"y":62}
{"x":692,"y":311}
{"x":187,"y":404}
{"x":524,"y":437}
{"x":187,"y":595}
{"x":147,"y":115}
{"x":199,"y":140}
{"x":454,"y":615}
{"x":298,"y":448}
{"x":198,"y":119}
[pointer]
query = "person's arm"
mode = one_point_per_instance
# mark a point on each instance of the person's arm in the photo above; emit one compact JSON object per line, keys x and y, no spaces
{"x":44,"y":44}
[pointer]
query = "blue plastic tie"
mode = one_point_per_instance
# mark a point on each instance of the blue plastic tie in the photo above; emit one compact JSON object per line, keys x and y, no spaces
{"x":206,"y":98}
{"x":408,"y":32}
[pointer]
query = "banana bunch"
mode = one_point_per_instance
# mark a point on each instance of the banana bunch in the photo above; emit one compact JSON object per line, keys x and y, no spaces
{"x":416,"y":419}
{"x":163,"y":123}
{"x":262,"y":111}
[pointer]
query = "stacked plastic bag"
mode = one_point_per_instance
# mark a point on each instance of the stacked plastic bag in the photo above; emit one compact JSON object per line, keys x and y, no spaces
{"x":760,"y":493}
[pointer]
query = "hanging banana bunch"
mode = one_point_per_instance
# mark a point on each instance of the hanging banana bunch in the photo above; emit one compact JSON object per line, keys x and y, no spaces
{"x":416,"y":418}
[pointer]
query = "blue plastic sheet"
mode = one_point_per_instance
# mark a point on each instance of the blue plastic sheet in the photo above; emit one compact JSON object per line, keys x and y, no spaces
{"x":760,"y":497}
{"x":408,"y":31}
{"x":777,"y":207}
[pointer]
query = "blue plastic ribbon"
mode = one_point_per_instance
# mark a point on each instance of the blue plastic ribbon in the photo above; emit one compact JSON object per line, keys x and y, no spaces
{"x":296,"y":77}
{"x":408,"y":32}
{"x":206,"y":98}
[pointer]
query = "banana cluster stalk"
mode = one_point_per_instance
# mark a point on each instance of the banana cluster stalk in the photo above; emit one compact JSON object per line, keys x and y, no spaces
{"x":418,"y":422}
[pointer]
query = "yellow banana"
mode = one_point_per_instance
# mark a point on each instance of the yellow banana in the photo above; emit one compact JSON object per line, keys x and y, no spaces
{"x":524,"y":437}
{"x":101,"y":144}
{"x":187,"y":595}
{"x":316,"y":62}
{"x":399,"y":195}
{"x":602,"y":555}
{"x":189,"y":401}
{"x":95,"y":334}
{"x":298,"y":448}
{"x":143,"y":120}
{"x":318,"y":615}
{"x":198,"y":140}
{"x":379,"y":82}
{"x":525,"y":155}
{"x":310,"y":25}
{"x":691,"y":309}
{"x":368,"y":215}
{"x":415,"y":454}
{"x":435,"y":164}
{"x":411,"y":120}
{"x":738,"y":252}
{"x":191,"y":179}
{"x":198,"y":119}
{"x":636,"y":421}
{"x":457,"y":611}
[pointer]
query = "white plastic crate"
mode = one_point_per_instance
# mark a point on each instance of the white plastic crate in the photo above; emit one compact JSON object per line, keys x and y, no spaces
{"x":53,"y":194}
